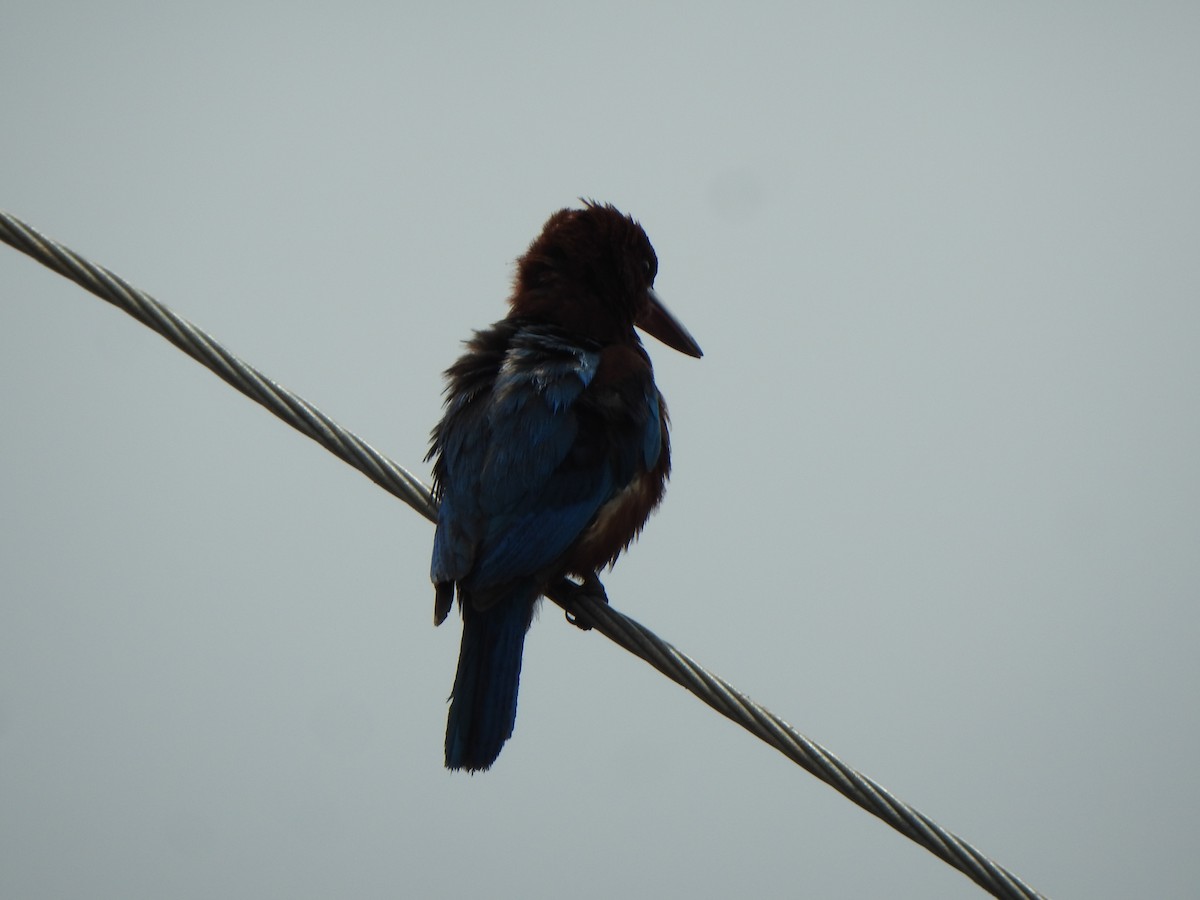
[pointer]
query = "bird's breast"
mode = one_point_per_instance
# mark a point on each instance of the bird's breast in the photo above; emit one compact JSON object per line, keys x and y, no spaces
{"x":616,"y":524}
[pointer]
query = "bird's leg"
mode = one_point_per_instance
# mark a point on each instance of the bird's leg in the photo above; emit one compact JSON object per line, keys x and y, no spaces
{"x":591,"y":588}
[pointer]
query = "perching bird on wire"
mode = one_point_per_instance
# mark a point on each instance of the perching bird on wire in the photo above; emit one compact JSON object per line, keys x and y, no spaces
{"x":552,"y":453}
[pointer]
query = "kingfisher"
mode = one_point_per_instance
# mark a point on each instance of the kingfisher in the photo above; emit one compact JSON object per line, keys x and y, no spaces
{"x":551,"y":454}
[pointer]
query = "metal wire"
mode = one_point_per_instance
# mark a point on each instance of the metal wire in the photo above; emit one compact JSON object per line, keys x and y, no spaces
{"x":203,"y":348}
{"x":616,"y":626}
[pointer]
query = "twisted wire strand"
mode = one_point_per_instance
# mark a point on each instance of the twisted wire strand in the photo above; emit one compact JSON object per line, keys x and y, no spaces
{"x":203,"y":348}
{"x":617,"y":627}
{"x":809,"y":755}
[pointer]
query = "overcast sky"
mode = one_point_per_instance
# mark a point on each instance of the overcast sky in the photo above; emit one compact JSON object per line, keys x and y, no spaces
{"x":935,"y":497}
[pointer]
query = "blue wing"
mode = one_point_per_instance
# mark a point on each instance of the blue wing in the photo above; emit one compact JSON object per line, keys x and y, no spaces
{"x":524,"y":463}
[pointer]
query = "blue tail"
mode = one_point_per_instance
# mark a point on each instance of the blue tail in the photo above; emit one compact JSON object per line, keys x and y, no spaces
{"x":483,"y":704}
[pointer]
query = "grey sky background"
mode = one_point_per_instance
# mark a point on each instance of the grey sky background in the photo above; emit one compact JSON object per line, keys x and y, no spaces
{"x":935,"y":498}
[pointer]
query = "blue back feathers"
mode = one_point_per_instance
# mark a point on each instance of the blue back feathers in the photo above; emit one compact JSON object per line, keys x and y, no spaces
{"x":527,"y":455}
{"x":541,"y":431}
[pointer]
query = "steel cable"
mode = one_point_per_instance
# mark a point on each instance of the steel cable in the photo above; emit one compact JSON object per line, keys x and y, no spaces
{"x":616,"y":626}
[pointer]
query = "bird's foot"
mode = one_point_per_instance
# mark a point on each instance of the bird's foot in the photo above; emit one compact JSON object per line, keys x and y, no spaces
{"x":590,"y":588}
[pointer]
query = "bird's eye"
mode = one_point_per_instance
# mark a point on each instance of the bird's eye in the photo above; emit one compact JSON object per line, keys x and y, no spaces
{"x":648,"y":267}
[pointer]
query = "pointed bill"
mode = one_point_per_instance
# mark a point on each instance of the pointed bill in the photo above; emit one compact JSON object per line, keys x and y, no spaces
{"x":658,"y":322}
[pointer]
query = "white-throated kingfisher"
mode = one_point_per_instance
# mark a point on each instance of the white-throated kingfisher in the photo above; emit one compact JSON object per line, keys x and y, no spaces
{"x":551,"y":455}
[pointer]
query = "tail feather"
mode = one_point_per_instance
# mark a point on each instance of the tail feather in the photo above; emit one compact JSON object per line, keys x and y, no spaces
{"x":483,"y":704}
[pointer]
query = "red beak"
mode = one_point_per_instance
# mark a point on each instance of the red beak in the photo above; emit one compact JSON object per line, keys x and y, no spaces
{"x":658,"y":322}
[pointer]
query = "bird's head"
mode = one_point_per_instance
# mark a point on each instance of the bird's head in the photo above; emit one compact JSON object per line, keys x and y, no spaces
{"x":591,"y":271}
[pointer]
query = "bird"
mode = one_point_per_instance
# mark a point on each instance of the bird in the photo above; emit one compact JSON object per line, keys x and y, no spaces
{"x":551,"y":453}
